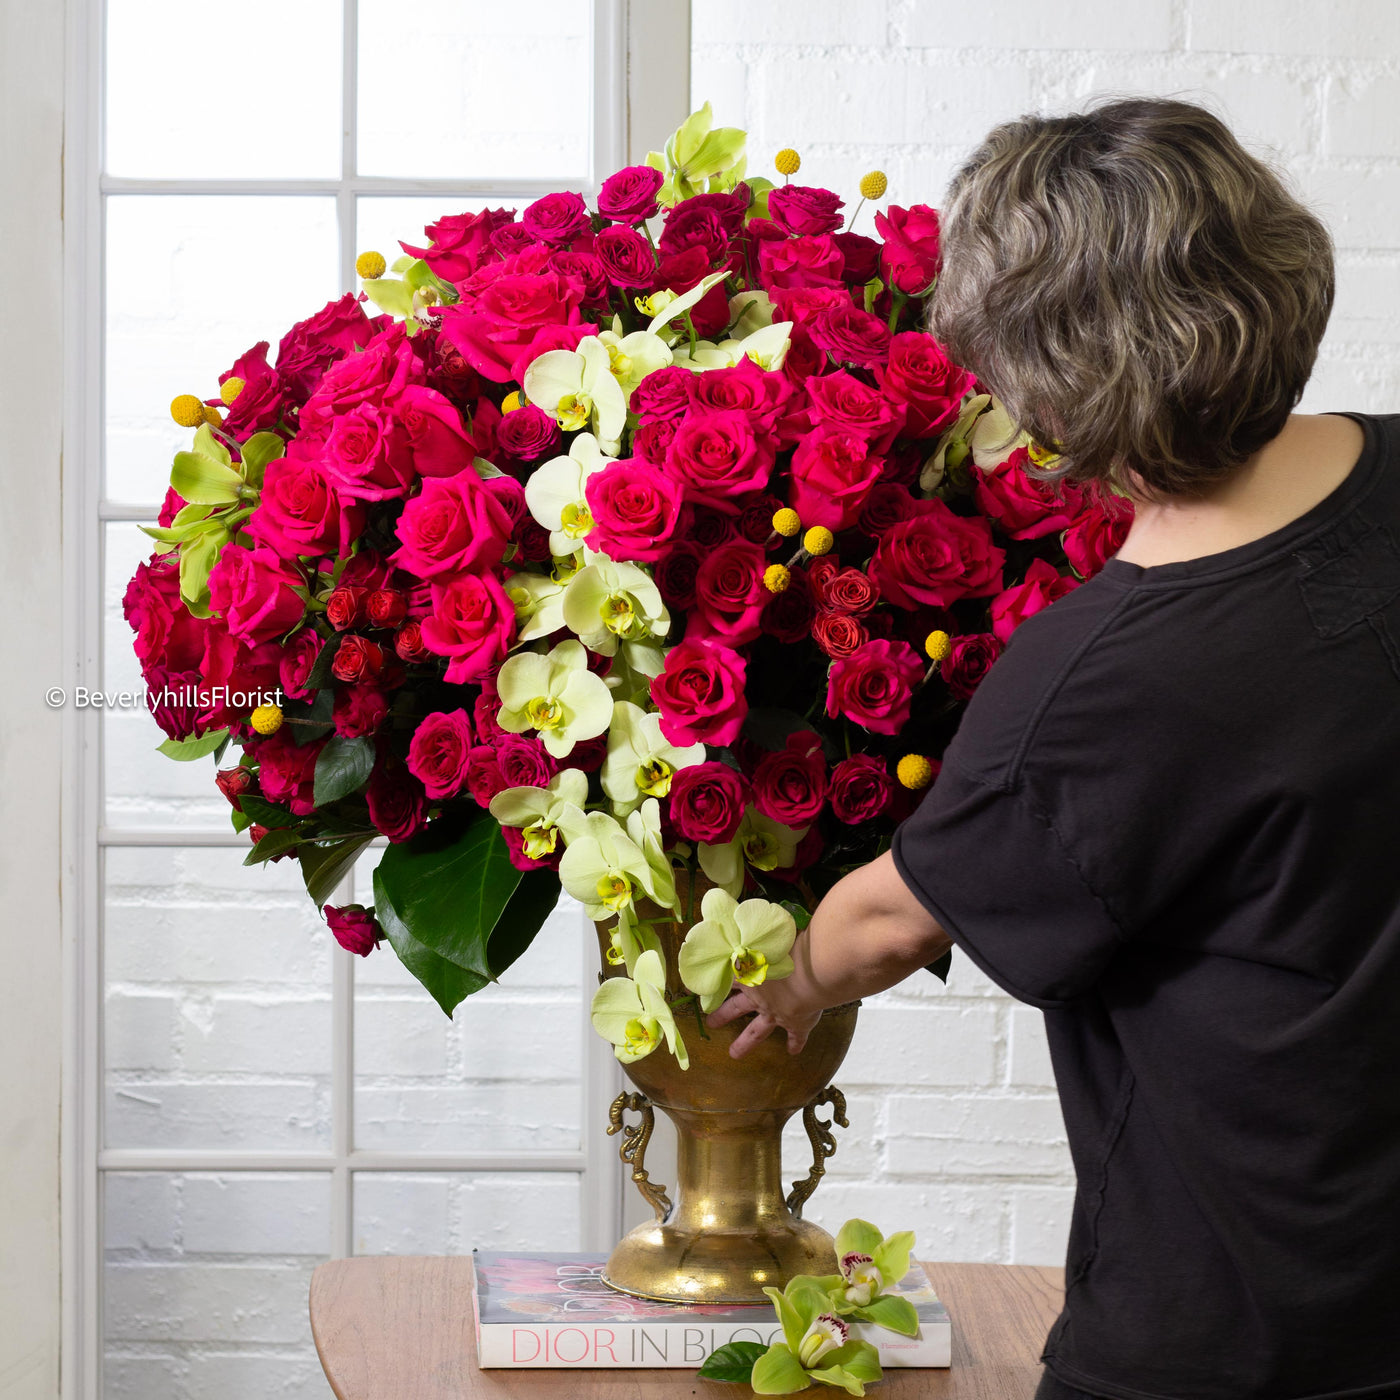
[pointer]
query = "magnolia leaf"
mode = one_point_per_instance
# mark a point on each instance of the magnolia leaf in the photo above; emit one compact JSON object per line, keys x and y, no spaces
{"x":319,"y":677}
{"x":892,"y":1311}
{"x":341,"y":767}
{"x":778,"y":1372}
{"x":323,"y":867}
{"x":320,"y":716}
{"x":484,"y":469}
{"x":276,"y":843}
{"x":733,"y":1362}
{"x":265,"y":813}
{"x":184,"y":750}
{"x":449,"y":984}
{"x":800,"y":916}
{"x":203,"y":481}
{"x":241,"y":820}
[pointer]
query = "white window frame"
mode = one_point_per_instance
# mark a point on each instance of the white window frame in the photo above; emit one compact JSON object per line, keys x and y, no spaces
{"x":640,"y":91}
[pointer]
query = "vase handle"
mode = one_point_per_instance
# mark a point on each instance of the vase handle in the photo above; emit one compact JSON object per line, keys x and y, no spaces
{"x":823,"y":1142}
{"x":634,"y":1147}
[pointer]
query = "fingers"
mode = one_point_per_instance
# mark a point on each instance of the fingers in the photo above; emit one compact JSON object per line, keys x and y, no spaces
{"x":739,"y":1004}
{"x":757,"y":1030}
{"x":796,"y":1039}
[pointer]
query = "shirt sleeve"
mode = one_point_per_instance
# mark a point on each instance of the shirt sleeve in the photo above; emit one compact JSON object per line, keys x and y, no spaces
{"x":989,"y":866}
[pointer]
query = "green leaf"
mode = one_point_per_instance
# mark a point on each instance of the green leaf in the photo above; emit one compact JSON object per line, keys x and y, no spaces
{"x":449,"y":984}
{"x":319,"y":677}
{"x":341,"y":767}
{"x":258,"y":451}
{"x":184,"y":750}
{"x":892,"y":1311}
{"x":275,"y":843}
{"x":733,"y":1362}
{"x":203,"y":481}
{"x":800,"y":916}
{"x":484,"y":469}
{"x":321,"y":710}
{"x":323,"y":867}
{"x":778,"y":1372}
{"x":240,"y":819}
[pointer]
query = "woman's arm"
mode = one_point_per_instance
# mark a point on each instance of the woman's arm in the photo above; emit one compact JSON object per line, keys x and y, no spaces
{"x":868,"y":933}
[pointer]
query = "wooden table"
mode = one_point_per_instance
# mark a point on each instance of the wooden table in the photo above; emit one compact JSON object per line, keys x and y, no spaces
{"x":392,"y":1328}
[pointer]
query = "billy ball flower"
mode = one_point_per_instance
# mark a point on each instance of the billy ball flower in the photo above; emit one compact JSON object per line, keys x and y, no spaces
{"x":212,"y":416}
{"x":266,"y":719}
{"x":914,"y":771}
{"x":230,"y":389}
{"x":873,"y":184}
{"x":818,"y":540}
{"x":786,"y":522}
{"x":187,"y":410}
{"x":776,"y":578}
{"x":937,"y":645}
{"x":371,"y":266}
{"x":787,"y":161}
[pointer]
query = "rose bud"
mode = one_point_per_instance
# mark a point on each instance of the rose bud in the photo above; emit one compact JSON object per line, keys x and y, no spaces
{"x":386,"y":607}
{"x":256,"y":833}
{"x":408,"y":642}
{"x":355,"y":928}
{"x":358,"y":659}
{"x":232,"y":782}
{"x":346,"y":607}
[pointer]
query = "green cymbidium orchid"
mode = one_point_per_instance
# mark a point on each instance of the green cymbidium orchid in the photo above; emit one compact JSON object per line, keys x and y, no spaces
{"x":578,"y":387}
{"x":869,"y":1264}
{"x":555,"y":494}
{"x":699,"y":151}
{"x":640,"y":762}
{"x":607,"y":603}
{"x":556,"y":695}
{"x":816,"y":1347}
{"x":760,"y":841}
{"x":631,"y":1013}
{"x":539,"y":810}
{"x":746,"y":943}
{"x":603,"y":867}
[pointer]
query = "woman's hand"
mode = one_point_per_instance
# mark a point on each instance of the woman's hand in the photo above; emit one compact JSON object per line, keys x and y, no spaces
{"x":788,"y":1002}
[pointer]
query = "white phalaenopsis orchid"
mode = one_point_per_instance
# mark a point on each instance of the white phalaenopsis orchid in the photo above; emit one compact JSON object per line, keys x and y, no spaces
{"x":555,"y":493}
{"x":632,"y":357}
{"x":746,"y":943}
{"x":644,"y":827}
{"x":539,"y":810}
{"x":631,"y":1013}
{"x":764,"y":843}
{"x":606,"y":603}
{"x":603,"y":867}
{"x":640,"y":761}
{"x":538,"y":601}
{"x":557,"y":695}
{"x":665,"y":306}
{"x":767,"y":347}
{"x":578,"y":387}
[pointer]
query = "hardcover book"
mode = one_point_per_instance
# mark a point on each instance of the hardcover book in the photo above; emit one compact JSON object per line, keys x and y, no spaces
{"x":555,"y":1310}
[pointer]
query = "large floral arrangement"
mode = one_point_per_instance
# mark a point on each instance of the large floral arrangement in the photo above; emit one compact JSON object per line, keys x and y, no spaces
{"x":618,"y":543}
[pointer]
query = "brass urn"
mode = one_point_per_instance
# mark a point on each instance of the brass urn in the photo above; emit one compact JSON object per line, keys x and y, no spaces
{"x":731,"y":1229}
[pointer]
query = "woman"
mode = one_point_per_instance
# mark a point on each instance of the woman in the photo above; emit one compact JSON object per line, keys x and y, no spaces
{"x":1171,"y":817}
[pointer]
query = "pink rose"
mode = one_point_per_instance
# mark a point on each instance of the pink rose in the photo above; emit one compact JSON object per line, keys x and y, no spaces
{"x":936,"y":557}
{"x":496,"y":326}
{"x":454,"y":525}
{"x":367,"y":455}
{"x":920,"y":376}
{"x":652,"y":441}
{"x":1043,"y":585}
{"x":287,"y":770}
{"x":626,"y":257}
{"x":1020,"y":505}
{"x":472,"y":624}
{"x":259,"y":402}
{"x":167,"y":634}
{"x":629,"y":196}
{"x":729,"y":594}
{"x":551,"y":337}
{"x":251,"y":589}
{"x":851,"y":336}
{"x":804,"y":210}
{"x":912,"y":256}
{"x":860,"y":789}
{"x":845,"y":404}
{"x":765,"y":395}
{"x":301,"y":513}
{"x":717,"y":456}
{"x":438,"y":441}
{"x":297,"y":659}
{"x":832,"y":474}
{"x":529,"y":434}
{"x":700,"y":694}
{"x":969,"y":659}
{"x":635,"y":508}
{"x":524,"y":761}
{"x":438,"y":752}
{"x":790,"y":786}
{"x":800,"y":262}
{"x":707,"y":802}
{"x":1097,"y":535}
{"x":665,"y":392}
{"x":355,"y":928}
{"x":873,"y":687}
{"x":396,"y":801}
{"x":485,"y":711}
{"x":556,"y":219}
{"x":461,"y":242}
{"x":359,"y":710}
{"x":312,"y":346}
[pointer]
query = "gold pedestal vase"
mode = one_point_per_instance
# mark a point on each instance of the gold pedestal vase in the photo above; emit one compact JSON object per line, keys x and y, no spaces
{"x":728,"y":1230}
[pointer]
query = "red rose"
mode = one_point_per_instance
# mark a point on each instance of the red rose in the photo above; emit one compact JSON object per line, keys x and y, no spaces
{"x":525,"y":762}
{"x":885,"y":507}
{"x":359,"y":710}
{"x":251,"y":590}
{"x":1097,"y":535}
{"x":233,"y":783}
{"x":860,"y":258}
{"x":845,"y":404}
{"x":838,"y":634}
{"x":345,"y":608}
{"x":968,"y":660}
{"x":664,"y":393}
{"x":312,"y":346}
{"x":707,"y":802}
{"x":802,"y":305}
{"x":297,"y":659}
{"x":368,"y":569}
{"x":454,"y":525}
{"x":485,"y":709}
{"x":851,"y":336}
{"x":629,"y":196}
{"x":874,"y":686}
{"x":386,"y":607}
{"x":357,"y":659}
{"x":259,"y":402}
{"x":408,"y":642}
{"x":935,"y":558}
{"x":484,"y":779}
{"x":790,"y":786}
{"x":493,"y":328}
{"x":788,"y":615}
{"x":1043,"y":585}
{"x":729,"y":594}
{"x":439,"y":751}
{"x":256,"y":834}
{"x":800,"y":262}
{"x":832,"y":474}
{"x":700,"y":694}
{"x":717,"y":456}
{"x":707,"y":528}
{"x":167,"y":634}
{"x":287,"y":771}
{"x":301,"y":513}
{"x":355,"y":928}
{"x":396,"y":802}
{"x":367,"y":455}
{"x":912,"y":256}
{"x":920,"y":376}
{"x":804,"y":210}
{"x":845,"y":591}
{"x":460,"y":242}
{"x":860,"y":789}
{"x":528,"y":434}
{"x":1020,"y":505}
{"x":472,"y":623}
{"x":556,"y":219}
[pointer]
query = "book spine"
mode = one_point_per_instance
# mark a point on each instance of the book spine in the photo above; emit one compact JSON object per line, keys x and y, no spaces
{"x":597,"y":1346}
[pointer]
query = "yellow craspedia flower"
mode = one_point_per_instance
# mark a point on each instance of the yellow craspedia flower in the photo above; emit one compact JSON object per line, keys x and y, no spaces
{"x":212,"y":416}
{"x":512,"y":401}
{"x":230,"y":389}
{"x":370,"y":265}
{"x":937,"y":645}
{"x":187,"y":410}
{"x":786,"y":522}
{"x":873,"y":184}
{"x":818,"y":540}
{"x":787,"y":161}
{"x":914,"y":771}
{"x":266,"y":719}
{"x":776,"y":578}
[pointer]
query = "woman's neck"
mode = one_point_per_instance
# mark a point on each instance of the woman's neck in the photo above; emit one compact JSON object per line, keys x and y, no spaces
{"x":1305,"y":463}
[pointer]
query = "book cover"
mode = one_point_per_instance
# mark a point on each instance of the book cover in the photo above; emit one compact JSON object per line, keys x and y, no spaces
{"x":554,"y":1310}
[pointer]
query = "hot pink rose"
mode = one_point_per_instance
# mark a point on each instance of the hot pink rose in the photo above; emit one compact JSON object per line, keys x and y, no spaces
{"x":802,"y":305}
{"x":717,"y":456}
{"x":887,"y":504}
{"x":166,"y":633}
{"x":524,"y":761}
{"x":969,"y":659}
{"x":920,"y":376}
{"x":765,"y":395}
{"x":851,"y":336}
{"x":367,"y":456}
{"x":359,"y":710}
{"x":230,"y":666}
{"x":790,"y":786}
{"x":832,"y":474}
{"x":707,"y":802}
{"x":873,"y":687}
{"x":396,"y":801}
{"x":860,"y":257}
{"x":675,"y":572}
{"x":626,"y":256}
{"x":439,"y":443}
{"x":297,"y":659}
{"x":259,"y":402}
{"x":801,"y":262}
{"x":729,"y":594}
{"x":635,"y":509}
{"x":629,"y":196}
{"x":665,"y":393}
{"x":461,"y":242}
{"x":496,"y":326}
{"x":287,"y":770}
{"x":472,"y":624}
{"x":251,"y":589}
{"x":438,"y":752}
{"x":312,"y":346}
{"x":556,"y":219}
{"x":375,"y":376}
{"x":1042,"y":586}
{"x":700,"y":694}
{"x":1020,"y":505}
{"x":484,"y":778}
{"x":912,"y":256}
{"x":551,"y":337}
{"x":300,"y":511}
{"x":454,"y":525}
{"x":846,"y":404}
{"x":804,"y":210}
{"x":355,"y":928}
{"x":860,"y":789}
{"x":936,"y":557}
{"x":1097,"y":535}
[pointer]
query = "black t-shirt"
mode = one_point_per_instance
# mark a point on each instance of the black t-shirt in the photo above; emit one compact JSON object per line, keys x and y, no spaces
{"x":1171,"y":818}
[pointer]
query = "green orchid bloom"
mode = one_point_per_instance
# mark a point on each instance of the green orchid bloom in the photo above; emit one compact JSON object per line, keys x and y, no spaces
{"x":539,"y":811}
{"x":760,"y":841}
{"x":603,"y":867}
{"x":607,"y":603}
{"x":816,"y":1346}
{"x":869,"y":1263}
{"x":539,"y":605}
{"x":746,"y":943}
{"x":699,"y":151}
{"x":632,"y":1014}
{"x":556,"y":695}
{"x":555,"y":495}
{"x":640,"y":762}
{"x":579,"y":388}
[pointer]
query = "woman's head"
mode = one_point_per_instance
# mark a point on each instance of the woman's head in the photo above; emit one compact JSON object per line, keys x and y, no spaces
{"x":1139,"y":290}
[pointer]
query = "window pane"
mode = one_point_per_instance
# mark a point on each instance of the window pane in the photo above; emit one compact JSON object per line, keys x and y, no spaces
{"x":205,"y":89}
{"x":216,"y":1030}
{"x":475,"y":89}
{"x":192,"y":282}
{"x":206,"y":1281}
{"x":501,"y":1076}
{"x":456,"y":1212}
{"x":382,"y":223}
